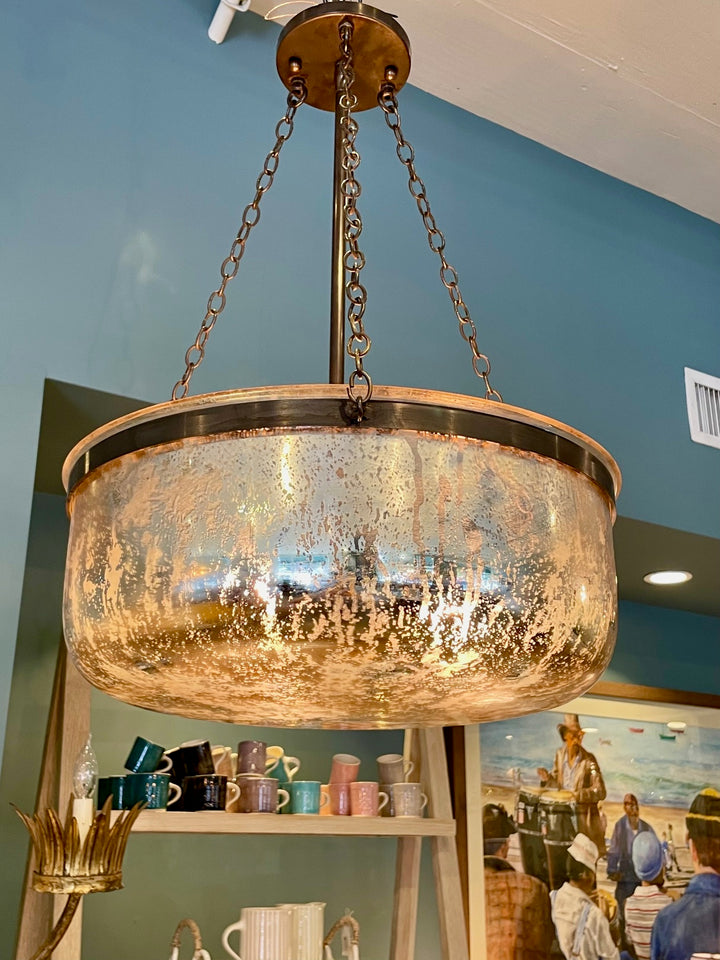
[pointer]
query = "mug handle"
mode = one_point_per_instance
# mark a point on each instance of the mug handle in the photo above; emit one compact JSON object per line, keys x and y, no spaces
{"x":165,"y":765}
{"x":383,"y":800}
{"x":409,"y":767}
{"x":285,"y":801}
{"x":270,"y":764}
{"x":423,"y":801}
{"x":226,"y":936}
{"x":292,"y":765}
{"x":178,"y":794}
{"x":324,"y":799}
{"x":233,"y":786}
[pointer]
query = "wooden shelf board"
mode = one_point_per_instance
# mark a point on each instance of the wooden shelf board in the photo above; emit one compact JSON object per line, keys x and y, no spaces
{"x":162,"y":821}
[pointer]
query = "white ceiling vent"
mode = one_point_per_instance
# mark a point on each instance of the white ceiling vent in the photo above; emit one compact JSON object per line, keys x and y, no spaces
{"x":703,"y":404}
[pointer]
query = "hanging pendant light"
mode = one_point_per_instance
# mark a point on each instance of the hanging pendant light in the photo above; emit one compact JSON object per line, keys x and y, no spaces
{"x":340,"y":555}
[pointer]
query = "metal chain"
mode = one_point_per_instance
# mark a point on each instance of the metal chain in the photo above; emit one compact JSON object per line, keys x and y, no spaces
{"x":481,"y":364}
{"x":251,"y":215}
{"x":360,"y":384}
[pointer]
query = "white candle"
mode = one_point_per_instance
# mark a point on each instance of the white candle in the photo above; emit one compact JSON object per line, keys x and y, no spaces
{"x":83,"y":810}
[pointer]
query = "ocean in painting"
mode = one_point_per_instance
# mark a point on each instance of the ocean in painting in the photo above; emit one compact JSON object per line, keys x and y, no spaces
{"x":659,"y":771}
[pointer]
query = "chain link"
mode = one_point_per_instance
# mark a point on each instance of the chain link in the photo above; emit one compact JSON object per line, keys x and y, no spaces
{"x":406,"y":154}
{"x":360,"y":384}
{"x":251,"y":215}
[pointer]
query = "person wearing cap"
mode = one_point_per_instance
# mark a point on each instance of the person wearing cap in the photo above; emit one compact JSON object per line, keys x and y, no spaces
{"x":498,"y":827}
{"x":619,"y":859}
{"x":692,"y":924}
{"x":517,"y":908}
{"x":650,"y":897}
{"x":582,"y":929}
{"x":577,"y":770}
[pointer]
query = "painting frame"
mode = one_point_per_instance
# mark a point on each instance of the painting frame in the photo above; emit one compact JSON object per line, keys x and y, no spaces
{"x":465,"y":753}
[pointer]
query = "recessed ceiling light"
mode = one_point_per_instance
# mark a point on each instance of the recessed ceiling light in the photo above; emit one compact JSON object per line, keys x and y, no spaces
{"x":666,"y":577}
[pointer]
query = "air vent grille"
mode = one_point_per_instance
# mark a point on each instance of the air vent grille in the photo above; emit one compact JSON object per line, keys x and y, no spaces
{"x":703,"y":403}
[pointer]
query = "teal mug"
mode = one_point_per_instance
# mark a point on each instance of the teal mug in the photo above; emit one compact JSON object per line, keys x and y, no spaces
{"x":147,"y":757}
{"x":111,"y":787}
{"x":305,"y":797}
{"x":152,"y":789}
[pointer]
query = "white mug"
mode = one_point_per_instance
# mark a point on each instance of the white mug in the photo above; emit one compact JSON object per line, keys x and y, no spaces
{"x":407,"y":800}
{"x":265,"y":934}
{"x":306,"y":929}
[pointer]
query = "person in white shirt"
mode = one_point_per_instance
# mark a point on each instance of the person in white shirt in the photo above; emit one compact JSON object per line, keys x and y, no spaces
{"x":582,"y":929}
{"x":649,"y":898}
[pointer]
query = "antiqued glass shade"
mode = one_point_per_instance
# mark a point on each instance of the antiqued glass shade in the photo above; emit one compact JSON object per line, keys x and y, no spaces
{"x":255,"y":556}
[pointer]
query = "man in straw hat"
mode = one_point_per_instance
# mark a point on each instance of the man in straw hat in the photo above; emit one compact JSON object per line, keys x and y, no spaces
{"x":578,"y":771}
{"x":692,"y":924}
{"x":583,"y":931}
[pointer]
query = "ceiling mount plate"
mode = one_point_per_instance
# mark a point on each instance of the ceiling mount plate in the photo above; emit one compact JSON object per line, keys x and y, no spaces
{"x":309,"y":46}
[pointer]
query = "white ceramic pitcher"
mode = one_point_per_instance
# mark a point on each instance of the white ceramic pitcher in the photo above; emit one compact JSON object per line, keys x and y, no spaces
{"x":307,"y":924}
{"x":265,"y":934}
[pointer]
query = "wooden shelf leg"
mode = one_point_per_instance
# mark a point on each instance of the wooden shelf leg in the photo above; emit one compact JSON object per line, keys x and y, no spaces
{"x":405,"y":905}
{"x":448,"y":888}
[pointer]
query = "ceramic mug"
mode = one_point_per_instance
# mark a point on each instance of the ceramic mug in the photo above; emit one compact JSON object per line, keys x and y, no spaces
{"x":147,"y":757}
{"x":224,"y":761}
{"x":192,"y":759}
{"x":344,"y":768}
{"x":392,"y":768}
{"x":253,"y":758}
{"x":407,"y":800}
{"x":260,"y":794}
{"x":339,"y":794}
{"x":208,"y":792}
{"x":325,"y":810}
{"x":307,"y":923}
{"x":266,"y":933}
{"x":306,"y":797}
{"x":285,"y":766}
{"x":152,"y":789}
{"x":387,"y":809}
{"x":366,"y":800}
{"x":111,"y":786}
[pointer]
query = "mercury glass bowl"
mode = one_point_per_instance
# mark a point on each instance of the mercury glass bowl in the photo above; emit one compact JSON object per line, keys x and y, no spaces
{"x":258,"y":557}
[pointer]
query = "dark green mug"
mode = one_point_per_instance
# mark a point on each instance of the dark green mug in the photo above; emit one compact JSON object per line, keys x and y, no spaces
{"x":111,"y":786}
{"x":152,"y":789}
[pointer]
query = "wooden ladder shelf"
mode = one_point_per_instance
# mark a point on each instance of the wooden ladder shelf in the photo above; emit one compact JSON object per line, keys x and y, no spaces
{"x":68,"y":726}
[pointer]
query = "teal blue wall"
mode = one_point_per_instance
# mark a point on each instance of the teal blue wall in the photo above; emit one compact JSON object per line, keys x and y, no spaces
{"x":130,"y":146}
{"x":658,"y":647}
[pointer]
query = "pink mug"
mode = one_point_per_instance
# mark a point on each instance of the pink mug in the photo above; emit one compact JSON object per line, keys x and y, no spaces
{"x":366,"y":799}
{"x":344,"y":768}
{"x":339,"y":794}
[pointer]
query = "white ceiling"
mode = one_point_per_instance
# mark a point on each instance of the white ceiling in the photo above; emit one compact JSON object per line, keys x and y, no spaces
{"x":630,"y":87}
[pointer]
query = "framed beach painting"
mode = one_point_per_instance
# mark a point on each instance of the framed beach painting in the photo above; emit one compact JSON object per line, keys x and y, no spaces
{"x":637,"y":763}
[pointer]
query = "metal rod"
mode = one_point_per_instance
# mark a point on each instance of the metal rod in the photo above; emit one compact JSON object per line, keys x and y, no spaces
{"x":337,"y":289}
